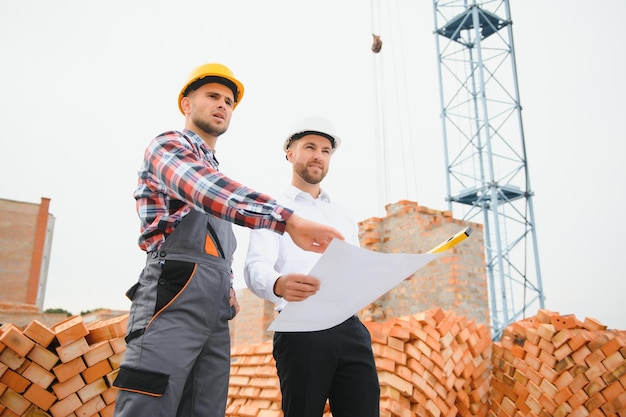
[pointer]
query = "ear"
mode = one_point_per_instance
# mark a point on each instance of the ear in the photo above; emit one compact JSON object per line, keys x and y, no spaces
{"x":289,"y":154}
{"x":185,"y":104}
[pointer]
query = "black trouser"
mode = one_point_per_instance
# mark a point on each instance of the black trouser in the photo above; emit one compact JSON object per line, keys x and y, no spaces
{"x":335,"y":364}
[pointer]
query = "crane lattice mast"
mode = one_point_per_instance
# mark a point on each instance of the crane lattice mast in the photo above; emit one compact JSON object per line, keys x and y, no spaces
{"x":485,"y":152}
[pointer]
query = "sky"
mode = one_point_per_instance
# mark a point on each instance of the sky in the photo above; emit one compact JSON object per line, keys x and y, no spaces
{"x":84,"y":86}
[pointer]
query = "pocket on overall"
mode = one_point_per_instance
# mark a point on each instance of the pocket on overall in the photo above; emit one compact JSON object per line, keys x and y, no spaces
{"x":173,"y":279}
{"x":141,"y":381}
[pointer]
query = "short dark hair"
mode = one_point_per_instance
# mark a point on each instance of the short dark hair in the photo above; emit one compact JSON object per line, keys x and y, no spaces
{"x":212,"y":79}
{"x":299,"y":135}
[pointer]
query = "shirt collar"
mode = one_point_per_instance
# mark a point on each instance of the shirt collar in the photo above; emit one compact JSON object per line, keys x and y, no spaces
{"x":210,"y":154}
{"x":294,"y":193}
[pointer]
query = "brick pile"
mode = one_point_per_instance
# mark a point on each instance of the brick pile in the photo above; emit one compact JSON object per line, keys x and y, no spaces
{"x":554,"y":365}
{"x":63,"y":370}
{"x":254,"y":389}
{"x":432,"y":364}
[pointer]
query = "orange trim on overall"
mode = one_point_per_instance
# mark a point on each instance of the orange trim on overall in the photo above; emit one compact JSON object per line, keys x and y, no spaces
{"x":209,"y":246}
{"x":195,"y":266}
{"x":140,"y":392}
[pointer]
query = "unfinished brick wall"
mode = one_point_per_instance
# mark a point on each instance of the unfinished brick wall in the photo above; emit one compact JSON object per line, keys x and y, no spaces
{"x":22,"y":314}
{"x":456,"y":281}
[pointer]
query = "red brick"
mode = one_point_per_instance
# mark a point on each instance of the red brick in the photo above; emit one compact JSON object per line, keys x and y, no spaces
{"x":13,"y":338}
{"x":66,"y":406}
{"x":118,"y":344}
{"x":579,"y":355}
{"x":70,"y":330}
{"x":116,"y":360}
{"x":69,"y":387}
{"x":11,"y":359}
{"x":98,"y":352}
{"x":40,"y":397}
{"x":15,"y":381}
{"x":102,"y":368}
{"x":14,"y":402}
{"x":65,"y":371}
{"x":110,"y":395}
{"x":563,"y":322}
{"x":613,"y":361}
{"x":72,"y":350}
{"x":90,"y":408}
{"x":92,"y":390}
{"x":39,"y":333}
{"x":43,"y":357}
{"x":108,"y":412}
{"x":38,"y":375}
{"x":593,"y":324}
{"x":107,"y":329}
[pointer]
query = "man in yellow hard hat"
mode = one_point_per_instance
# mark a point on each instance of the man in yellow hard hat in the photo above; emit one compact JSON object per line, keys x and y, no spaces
{"x":177,"y":360}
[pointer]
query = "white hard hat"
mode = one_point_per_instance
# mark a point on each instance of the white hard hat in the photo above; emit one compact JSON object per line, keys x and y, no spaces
{"x":313,"y":125}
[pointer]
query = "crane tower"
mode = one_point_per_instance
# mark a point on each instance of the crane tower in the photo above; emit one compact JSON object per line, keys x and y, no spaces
{"x":485,"y":154}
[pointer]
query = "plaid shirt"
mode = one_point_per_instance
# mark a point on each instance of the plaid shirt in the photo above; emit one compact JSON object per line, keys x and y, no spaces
{"x":180,"y":173}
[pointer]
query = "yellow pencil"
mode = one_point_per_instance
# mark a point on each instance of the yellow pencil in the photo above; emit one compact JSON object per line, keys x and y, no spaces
{"x":452,"y":241}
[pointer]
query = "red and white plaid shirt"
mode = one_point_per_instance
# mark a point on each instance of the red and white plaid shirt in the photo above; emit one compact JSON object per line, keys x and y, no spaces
{"x":180,"y":173}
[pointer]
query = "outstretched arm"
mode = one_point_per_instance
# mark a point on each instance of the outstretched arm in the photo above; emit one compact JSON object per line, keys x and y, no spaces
{"x":311,"y":236}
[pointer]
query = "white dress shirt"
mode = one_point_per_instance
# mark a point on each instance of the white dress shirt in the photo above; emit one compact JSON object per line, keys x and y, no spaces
{"x":271,"y":255}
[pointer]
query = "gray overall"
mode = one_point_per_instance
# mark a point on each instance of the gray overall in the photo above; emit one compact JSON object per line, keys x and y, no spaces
{"x":177,"y":360}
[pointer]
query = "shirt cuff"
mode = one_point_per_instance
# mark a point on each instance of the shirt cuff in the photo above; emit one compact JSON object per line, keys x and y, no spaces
{"x":281,"y":215}
{"x":269,"y":292}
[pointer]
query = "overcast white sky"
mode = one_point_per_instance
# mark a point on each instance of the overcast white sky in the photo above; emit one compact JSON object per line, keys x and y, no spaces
{"x":85,"y":85}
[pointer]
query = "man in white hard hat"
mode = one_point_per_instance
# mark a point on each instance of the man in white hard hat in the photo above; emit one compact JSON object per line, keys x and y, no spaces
{"x":177,"y":358}
{"x":336,"y":364}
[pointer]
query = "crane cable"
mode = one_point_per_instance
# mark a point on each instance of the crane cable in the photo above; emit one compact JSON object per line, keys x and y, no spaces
{"x":379,"y":119}
{"x":404,"y":121}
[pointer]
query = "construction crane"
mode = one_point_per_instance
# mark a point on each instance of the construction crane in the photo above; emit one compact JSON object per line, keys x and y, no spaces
{"x":485,"y":154}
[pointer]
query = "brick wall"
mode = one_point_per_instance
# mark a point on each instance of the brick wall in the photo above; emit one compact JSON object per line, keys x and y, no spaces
{"x":250,"y":325}
{"x":21,"y":315}
{"x":17,"y":242}
{"x":456,"y":281}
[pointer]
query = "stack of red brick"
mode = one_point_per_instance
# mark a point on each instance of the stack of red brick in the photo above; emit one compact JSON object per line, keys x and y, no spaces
{"x":254,"y":389}
{"x":553,"y":365}
{"x":66,"y":370}
{"x":430,"y":364}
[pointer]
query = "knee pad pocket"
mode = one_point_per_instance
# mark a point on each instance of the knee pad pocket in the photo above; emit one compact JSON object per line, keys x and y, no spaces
{"x":141,"y":381}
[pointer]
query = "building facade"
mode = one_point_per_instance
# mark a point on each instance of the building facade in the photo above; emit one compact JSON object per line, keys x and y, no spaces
{"x":26,"y":231}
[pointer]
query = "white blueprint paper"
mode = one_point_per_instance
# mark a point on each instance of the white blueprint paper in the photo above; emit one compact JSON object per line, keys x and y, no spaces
{"x":351,"y":278}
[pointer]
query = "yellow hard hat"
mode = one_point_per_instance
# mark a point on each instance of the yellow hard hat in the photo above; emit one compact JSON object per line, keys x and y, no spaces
{"x":211,"y":73}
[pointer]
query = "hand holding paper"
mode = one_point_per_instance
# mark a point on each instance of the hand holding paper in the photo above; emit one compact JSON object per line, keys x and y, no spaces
{"x":351,"y":278}
{"x":296,"y":287}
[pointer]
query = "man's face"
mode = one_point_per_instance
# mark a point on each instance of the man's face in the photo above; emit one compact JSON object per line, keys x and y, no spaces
{"x":310,"y":156}
{"x":210,"y":108}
